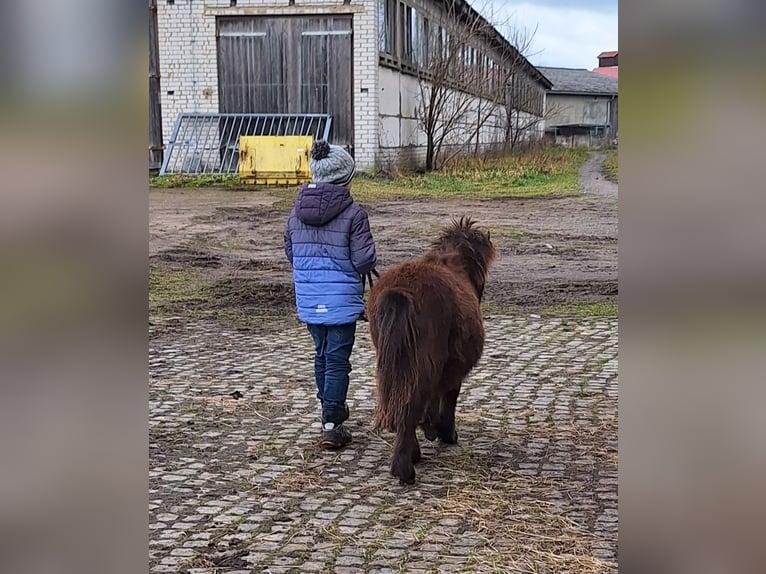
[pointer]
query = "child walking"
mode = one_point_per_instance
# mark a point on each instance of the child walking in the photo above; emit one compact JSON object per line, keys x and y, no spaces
{"x":329,"y":245}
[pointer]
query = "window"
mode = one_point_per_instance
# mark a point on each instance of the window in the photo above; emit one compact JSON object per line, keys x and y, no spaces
{"x":408,"y":33}
{"x":525,"y":95}
{"x":387,"y":19}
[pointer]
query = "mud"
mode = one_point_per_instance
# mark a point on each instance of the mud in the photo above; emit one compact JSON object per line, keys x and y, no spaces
{"x":552,"y":251}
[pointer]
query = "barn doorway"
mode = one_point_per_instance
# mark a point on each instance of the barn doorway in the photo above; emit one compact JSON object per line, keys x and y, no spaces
{"x":288,"y":65}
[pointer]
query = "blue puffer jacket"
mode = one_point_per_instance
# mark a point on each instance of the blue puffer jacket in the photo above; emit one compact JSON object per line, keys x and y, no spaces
{"x":329,"y":244}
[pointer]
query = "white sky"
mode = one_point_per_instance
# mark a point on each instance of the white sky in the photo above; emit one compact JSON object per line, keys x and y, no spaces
{"x":570,"y":33}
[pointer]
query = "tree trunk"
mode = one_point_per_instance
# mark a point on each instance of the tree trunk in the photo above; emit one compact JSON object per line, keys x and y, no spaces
{"x":429,"y":151}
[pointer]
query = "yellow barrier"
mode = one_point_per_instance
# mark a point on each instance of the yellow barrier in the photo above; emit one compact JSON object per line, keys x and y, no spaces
{"x":275,"y":160}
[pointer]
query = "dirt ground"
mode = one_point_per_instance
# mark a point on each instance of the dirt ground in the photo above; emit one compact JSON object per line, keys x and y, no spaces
{"x":552,"y":251}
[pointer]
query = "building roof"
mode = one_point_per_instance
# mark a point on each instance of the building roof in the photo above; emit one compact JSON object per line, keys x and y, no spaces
{"x":611,"y":54}
{"x":610,"y":71}
{"x":579,"y":81}
{"x":500,"y":41}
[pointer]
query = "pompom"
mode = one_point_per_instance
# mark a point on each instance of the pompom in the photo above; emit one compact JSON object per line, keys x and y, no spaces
{"x":320,"y":150}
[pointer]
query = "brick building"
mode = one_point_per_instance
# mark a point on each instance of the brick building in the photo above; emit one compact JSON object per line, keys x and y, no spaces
{"x":358,"y":60}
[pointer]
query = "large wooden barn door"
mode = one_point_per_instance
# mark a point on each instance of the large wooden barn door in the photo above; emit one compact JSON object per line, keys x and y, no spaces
{"x":288,"y":65}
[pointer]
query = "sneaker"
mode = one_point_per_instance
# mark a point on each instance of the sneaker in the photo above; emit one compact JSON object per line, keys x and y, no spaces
{"x":346,"y":414}
{"x":335,"y":437}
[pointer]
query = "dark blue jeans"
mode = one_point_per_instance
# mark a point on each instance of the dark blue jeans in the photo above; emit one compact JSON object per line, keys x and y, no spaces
{"x":332,"y":366}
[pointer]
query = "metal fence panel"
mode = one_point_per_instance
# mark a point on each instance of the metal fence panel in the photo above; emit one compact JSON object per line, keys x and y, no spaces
{"x":208,"y":143}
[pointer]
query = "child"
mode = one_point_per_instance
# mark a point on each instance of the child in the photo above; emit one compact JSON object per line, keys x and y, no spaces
{"x":329,"y":245}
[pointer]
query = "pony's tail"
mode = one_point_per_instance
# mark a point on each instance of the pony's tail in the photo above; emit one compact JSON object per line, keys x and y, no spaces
{"x":397,"y":359}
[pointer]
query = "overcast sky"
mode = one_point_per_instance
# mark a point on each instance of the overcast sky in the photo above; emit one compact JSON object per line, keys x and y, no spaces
{"x":570,"y":33}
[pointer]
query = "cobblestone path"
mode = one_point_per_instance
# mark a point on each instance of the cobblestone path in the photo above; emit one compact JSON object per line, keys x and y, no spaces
{"x":238,"y":485}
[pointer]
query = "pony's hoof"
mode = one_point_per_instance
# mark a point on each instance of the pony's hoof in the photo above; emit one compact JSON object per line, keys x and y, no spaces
{"x":449,"y":438}
{"x":405,"y":473}
{"x":409,"y":479}
{"x":429,"y":431}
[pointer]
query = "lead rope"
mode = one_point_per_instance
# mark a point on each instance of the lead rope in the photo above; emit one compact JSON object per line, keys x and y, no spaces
{"x":367,"y":277}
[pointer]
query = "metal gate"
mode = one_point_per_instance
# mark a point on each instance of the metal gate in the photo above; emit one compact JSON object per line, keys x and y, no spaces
{"x":288,"y":65}
{"x":209,"y":143}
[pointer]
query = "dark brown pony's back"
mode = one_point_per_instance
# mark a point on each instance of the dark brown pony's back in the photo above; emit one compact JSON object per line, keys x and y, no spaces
{"x":427,"y":329}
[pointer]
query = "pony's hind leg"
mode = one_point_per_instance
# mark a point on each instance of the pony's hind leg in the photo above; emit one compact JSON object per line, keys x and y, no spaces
{"x":416,"y":456}
{"x":446,"y":425}
{"x":406,"y":448}
{"x":431,"y":420}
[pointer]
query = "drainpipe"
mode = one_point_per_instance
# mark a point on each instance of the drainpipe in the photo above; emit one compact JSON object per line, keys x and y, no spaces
{"x":155,"y":106}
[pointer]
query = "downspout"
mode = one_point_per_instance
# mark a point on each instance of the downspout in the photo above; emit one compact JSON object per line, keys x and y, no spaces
{"x":193,"y":51}
{"x":156,"y":148}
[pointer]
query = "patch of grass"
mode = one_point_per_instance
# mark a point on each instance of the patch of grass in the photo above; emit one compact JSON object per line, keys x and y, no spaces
{"x":369,"y":551}
{"x":213,"y":180}
{"x":229,"y":181}
{"x":401,"y":564}
{"x":421,"y":533}
{"x":169,"y":286}
{"x":508,"y":232}
{"x":582,"y":391}
{"x":583,"y":309}
{"x":242,"y":304}
{"x":499,"y":309}
{"x":574,"y":310}
{"x":552,"y":172}
{"x":610,"y":165}
{"x":549,"y":173}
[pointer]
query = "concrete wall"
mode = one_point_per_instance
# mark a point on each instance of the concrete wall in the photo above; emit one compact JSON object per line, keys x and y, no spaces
{"x":189,"y":68}
{"x":566,"y":109}
{"x":580,"y":140}
{"x":401,"y":138}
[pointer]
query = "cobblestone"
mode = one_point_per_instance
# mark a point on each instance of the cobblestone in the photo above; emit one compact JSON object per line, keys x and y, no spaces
{"x":239,"y":485}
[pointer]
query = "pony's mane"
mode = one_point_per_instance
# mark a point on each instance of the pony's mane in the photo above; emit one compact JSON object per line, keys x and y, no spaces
{"x":472,"y":245}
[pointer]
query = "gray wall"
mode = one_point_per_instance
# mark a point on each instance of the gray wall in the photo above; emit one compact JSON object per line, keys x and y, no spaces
{"x":588,"y":110}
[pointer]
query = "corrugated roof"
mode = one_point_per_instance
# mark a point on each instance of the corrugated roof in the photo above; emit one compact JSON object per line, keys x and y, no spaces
{"x":579,"y":81}
{"x":608,"y":54}
{"x":501,"y":41}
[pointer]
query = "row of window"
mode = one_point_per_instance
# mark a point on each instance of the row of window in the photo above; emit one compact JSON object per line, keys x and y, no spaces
{"x":409,"y":39}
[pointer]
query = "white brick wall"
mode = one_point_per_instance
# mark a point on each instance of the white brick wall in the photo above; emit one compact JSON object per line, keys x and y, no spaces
{"x":189,"y":69}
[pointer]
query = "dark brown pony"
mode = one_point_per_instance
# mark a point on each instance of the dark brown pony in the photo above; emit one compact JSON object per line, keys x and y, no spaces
{"x":428,"y":332}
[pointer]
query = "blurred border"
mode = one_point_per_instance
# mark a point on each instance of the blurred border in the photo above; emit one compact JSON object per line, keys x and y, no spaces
{"x":73,"y":310}
{"x":692,"y":279}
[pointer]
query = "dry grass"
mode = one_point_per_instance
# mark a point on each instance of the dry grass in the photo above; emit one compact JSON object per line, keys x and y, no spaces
{"x":549,"y":172}
{"x":517,"y":527}
{"x":611,"y":169}
{"x":552,"y":172}
{"x":518,"y":532}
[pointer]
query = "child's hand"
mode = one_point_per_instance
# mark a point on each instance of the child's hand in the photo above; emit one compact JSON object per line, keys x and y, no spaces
{"x":367,"y":278}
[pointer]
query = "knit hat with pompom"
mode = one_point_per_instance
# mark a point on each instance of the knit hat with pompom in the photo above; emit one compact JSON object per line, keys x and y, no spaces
{"x":331,"y":164}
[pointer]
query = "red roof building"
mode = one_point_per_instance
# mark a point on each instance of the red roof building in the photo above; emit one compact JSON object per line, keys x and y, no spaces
{"x":607,"y":64}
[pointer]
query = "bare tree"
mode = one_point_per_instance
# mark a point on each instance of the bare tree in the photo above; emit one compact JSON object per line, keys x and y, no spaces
{"x":472,"y":82}
{"x":452,"y":72}
{"x":525,"y":103}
